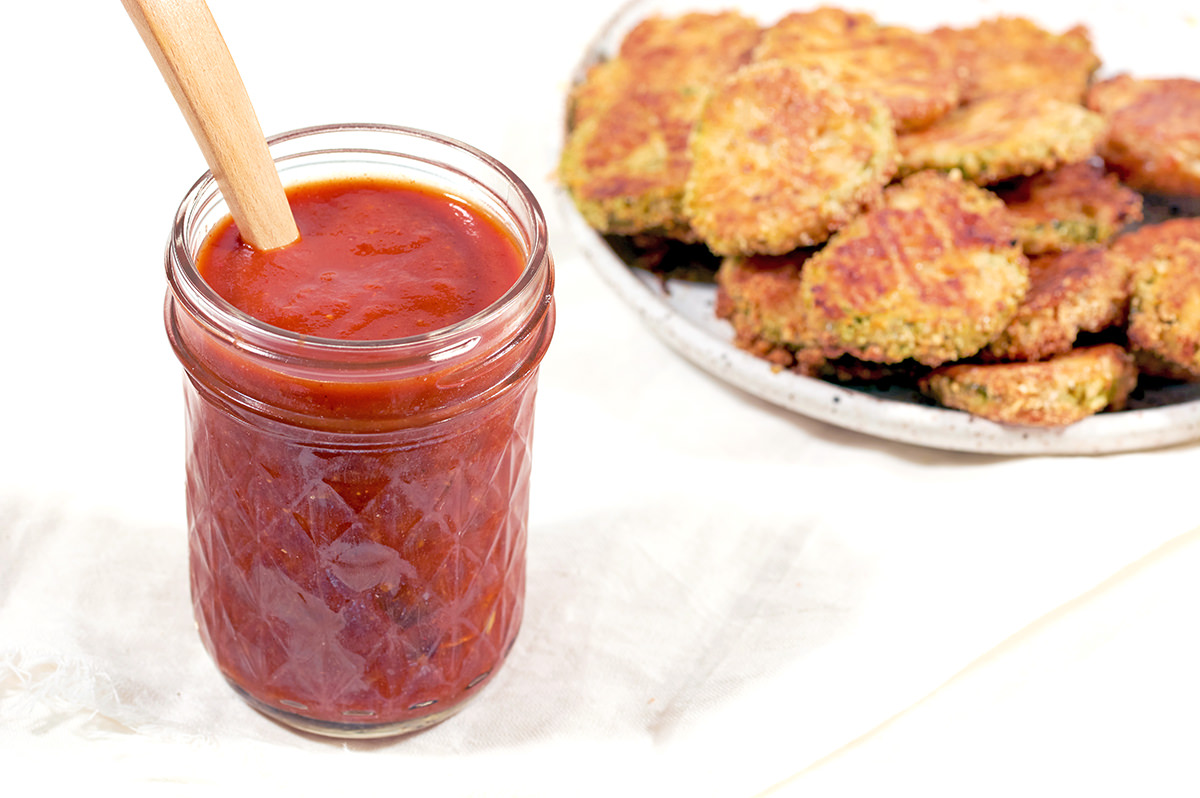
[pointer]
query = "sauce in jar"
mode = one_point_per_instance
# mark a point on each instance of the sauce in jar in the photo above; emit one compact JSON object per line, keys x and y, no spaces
{"x":360,"y":410}
{"x":375,"y":260}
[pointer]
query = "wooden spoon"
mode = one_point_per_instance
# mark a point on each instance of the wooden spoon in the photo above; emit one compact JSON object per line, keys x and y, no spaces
{"x":191,"y":54}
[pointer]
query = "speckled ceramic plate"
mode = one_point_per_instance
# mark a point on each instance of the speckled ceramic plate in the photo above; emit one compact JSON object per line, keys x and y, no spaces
{"x":1150,"y":39}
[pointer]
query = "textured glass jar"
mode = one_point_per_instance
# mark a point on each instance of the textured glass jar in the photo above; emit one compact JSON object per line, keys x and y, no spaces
{"x":357,"y":509}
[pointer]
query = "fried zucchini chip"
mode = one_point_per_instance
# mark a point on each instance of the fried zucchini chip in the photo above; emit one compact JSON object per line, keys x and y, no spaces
{"x":1072,"y":292}
{"x":759,"y":297}
{"x":932,"y":275}
{"x":1164,"y":311}
{"x":781,"y":157}
{"x":1152,"y":138}
{"x":1050,"y":393}
{"x":1141,"y":243}
{"x":1002,"y":137}
{"x":1077,"y":205}
{"x":908,"y":70}
{"x":1006,"y":55}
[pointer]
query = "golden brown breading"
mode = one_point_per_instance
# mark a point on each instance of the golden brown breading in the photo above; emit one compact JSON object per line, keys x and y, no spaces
{"x":1140,"y":244}
{"x":759,"y":297}
{"x":822,"y":28}
{"x":1164,"y":312}
{"x":1080,"y":290}
{"x":689,"y":48}
{"x":625,"y":168}
{"x":933,"y":274}
{"x":1004,"y":136}
{"x":783,"y":156}
{"x":760,"y":294}
{"x":667,"y":54}
{"x":1153,"y":136}
{"x":1075,"y":205}
{"x":911,"y":73}
{"x":603,"y":86}
{"x":1050,"y":393}
{"x":1003,"y":55}
{"x":625,"y":158}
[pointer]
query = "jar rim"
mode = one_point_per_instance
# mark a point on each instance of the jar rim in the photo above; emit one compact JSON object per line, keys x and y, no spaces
{"x":209,"y":304}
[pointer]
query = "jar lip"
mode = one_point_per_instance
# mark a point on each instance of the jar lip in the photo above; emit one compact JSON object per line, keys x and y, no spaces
{"x":213,"y":304}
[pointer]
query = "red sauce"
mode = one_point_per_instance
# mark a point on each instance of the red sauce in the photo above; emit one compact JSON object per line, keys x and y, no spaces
{"x":360,"y":582}
{"x":375,"y":260}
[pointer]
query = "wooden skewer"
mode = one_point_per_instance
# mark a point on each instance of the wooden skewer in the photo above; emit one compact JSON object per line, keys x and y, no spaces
{"x":191,"y":54}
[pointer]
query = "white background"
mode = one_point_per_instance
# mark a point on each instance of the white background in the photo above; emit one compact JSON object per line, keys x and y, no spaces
{"x":724,"y":598}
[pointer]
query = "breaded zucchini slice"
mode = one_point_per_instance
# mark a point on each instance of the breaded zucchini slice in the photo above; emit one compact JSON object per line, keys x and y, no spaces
{"x":1049,"y":393}
{"x":1002,"y":137}
{"x":1012,"y":54}
{"x":1152,"y":138}
{"x":911,"y":72}
{"x":932,"y":275}
{"x":1077,"y":205}
{"x":1164,"y":311}
{"x":783,"y":156}
{"x":759,"y":296}
{"x":1072,"y":292}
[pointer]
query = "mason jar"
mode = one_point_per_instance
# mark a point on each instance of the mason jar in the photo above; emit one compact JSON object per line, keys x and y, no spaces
{"x":357,"y":510}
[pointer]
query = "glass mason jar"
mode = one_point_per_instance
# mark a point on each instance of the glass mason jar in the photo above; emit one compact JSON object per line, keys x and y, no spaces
{"x":357,"y":510}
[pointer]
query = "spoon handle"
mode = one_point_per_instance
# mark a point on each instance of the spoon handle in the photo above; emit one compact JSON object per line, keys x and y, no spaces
{"x":191,"y":54}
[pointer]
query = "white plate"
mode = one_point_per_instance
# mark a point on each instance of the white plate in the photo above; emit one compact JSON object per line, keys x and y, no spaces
{"x":1147,"y":39}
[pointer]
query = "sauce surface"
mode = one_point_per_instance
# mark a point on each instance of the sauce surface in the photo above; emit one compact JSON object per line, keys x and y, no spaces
{"x":376,"y":260}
